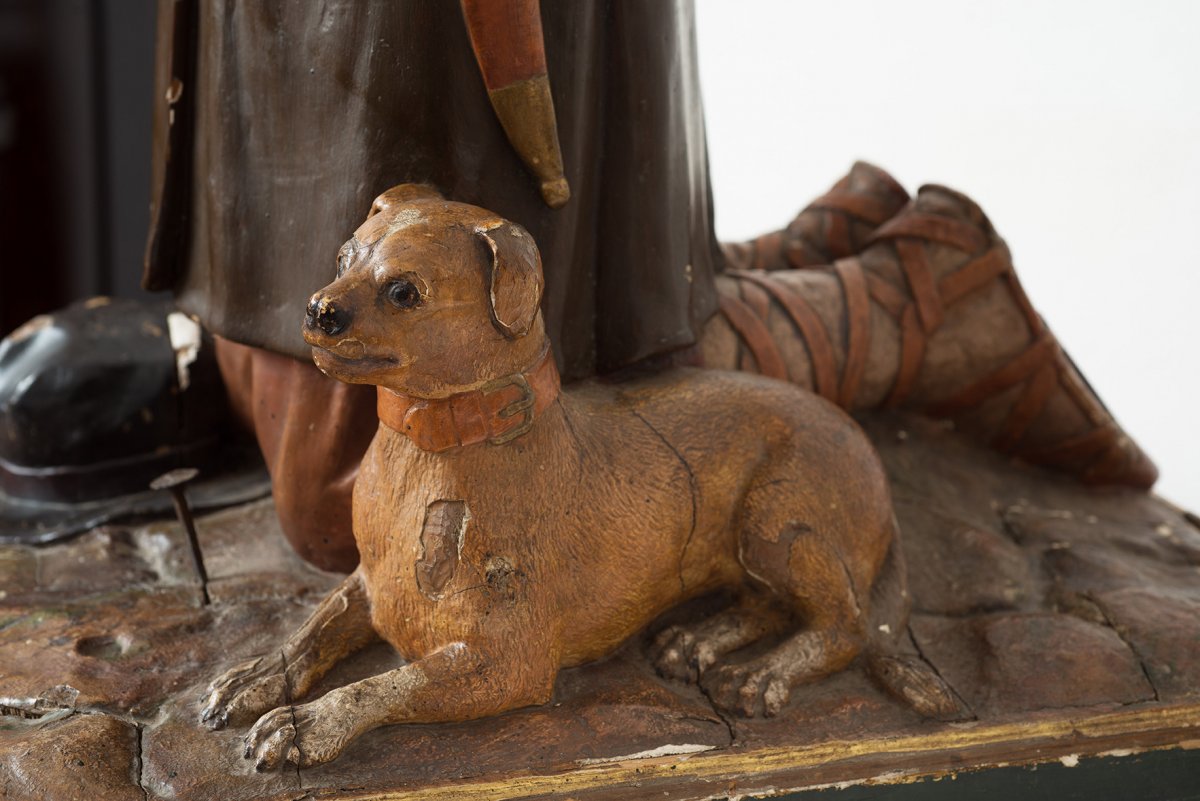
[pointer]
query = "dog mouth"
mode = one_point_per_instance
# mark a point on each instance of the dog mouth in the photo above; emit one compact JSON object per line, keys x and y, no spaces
{"x":362,"y":363}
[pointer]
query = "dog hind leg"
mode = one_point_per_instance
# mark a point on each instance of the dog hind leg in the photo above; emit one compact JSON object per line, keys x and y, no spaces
{"x":763,"y":685}
{"x":805,"y":568}
{"x":685,"y":651}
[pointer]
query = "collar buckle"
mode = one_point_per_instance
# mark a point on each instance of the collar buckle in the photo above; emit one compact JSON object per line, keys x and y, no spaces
{"x":522,"y":406}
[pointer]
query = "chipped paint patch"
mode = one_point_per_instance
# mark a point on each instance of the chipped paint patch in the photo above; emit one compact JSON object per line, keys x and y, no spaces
{"x":404,"y":218}
{"x":661,"y":751}
{"x":442,"y":537}
{"x":184,"y":333}
{"x":1120,"y":752}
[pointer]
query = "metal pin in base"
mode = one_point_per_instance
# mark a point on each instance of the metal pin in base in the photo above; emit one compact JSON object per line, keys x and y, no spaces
{"x":174,"y":481}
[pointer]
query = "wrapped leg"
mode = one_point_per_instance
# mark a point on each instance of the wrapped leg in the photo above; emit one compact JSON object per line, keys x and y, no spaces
{"x":929,"y":317}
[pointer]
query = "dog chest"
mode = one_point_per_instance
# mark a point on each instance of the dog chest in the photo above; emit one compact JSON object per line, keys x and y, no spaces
{"x":452,"y":545}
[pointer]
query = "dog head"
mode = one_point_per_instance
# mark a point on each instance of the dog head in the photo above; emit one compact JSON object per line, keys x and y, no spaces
{"x":431,"y":298}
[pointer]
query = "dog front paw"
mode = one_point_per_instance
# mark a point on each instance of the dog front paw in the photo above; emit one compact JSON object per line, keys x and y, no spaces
{"x":304,"y":735}
{"x":245,"y":690}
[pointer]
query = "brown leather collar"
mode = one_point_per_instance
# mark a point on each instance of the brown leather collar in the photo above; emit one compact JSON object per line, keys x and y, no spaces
{"x":498,"y":412}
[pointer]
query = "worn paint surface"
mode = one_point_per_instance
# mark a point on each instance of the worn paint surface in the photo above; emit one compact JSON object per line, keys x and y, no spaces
{"x":1097,"y":557}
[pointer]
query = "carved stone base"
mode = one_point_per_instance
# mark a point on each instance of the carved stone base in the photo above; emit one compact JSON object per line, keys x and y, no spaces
{"x":1067,"y":620}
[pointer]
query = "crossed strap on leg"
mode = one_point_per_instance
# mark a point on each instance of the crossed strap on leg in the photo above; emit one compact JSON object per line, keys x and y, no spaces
{"x":835,"y":225}
{"x":1103,"y":455}
{"x":747,"y":316}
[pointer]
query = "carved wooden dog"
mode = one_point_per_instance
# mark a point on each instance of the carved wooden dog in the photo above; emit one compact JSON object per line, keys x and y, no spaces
{"x":508,"y":529}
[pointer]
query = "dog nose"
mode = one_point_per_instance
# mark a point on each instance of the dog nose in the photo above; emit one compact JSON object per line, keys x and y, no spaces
{"x":323,"y":314}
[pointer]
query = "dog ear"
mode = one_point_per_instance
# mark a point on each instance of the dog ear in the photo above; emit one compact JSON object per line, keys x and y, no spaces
{"x":515,"y":277}
{"x":401,"y":194}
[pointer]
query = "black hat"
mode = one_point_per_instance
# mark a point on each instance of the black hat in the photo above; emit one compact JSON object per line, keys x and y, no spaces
{"x":99,"y":399}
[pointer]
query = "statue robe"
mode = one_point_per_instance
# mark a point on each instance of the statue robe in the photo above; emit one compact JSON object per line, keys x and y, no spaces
{"x":278,"y":123}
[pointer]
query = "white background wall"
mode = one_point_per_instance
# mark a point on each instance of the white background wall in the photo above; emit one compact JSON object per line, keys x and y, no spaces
{"x":1076,"y":125}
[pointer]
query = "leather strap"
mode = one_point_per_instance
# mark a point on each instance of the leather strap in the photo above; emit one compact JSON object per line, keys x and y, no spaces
{"x":974,"y":275}
{"x":958,"y":234}
{"x":752,"y":331}
{"x":920,"y":318}
{"x":812,"y":331}
{"x":858,"y":327}
{"x":1076,"y":449}
{"x":912,"y":355}
{"x":1042,"y":352}
{"x":920,"y":281}
{"x":1084,"y":396}
{"x":1028,"y":406}
{"x":891,"y":299}
{"x":869,"y":209}
{"x":497,"y":412}
{"x":837,"y":235}
{"x":1022,"y":300}
{"x":795,"y":253}
{"x":1112,"y":463}
{"x":929,"y":303}
{"x":757,"y":299}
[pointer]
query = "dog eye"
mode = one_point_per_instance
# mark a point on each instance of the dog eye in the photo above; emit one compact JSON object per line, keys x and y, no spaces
{"x":403,"y":294}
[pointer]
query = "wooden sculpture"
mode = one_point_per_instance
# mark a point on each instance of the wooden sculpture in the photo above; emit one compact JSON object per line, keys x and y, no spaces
{"x":509,"y":529}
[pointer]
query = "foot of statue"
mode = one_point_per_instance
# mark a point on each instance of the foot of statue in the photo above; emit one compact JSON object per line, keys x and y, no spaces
{"x":929,"y":316}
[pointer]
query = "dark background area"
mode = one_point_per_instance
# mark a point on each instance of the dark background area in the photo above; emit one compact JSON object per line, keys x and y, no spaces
{"x":76,"y":78}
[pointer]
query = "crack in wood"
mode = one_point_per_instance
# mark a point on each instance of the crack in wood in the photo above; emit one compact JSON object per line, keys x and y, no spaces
{"x":916,"y":644}
{"x":141,"y":763}
{"x":287,"y":697}
{"x":693,"y":485}
{"x":1108,"y":621}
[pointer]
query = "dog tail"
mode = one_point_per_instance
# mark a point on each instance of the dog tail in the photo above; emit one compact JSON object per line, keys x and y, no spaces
{"x":910,"y":679}
{"x":892,"y":658}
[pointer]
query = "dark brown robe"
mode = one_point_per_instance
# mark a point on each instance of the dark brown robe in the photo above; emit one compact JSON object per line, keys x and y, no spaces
{"x":290,"y":117}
